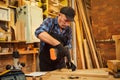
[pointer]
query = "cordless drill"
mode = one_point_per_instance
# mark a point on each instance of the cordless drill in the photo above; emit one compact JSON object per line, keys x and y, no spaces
{"x":69,"y":64}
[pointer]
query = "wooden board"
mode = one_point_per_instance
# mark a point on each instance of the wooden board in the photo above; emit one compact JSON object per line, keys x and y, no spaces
{"x":79,"y":36}
{"x":114,"y":65}
{"x":117,"y":45}
{"x":88,"y":74}
{"x":65,"y":77}
{"x":87,"y":55}
{"x":20,"y":31}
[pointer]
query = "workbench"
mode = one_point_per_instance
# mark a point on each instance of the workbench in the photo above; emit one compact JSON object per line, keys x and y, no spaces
{"x":87,"y":74}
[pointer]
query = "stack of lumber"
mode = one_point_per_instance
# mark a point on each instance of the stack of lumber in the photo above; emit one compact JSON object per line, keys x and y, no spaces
{"x":87,"y":54}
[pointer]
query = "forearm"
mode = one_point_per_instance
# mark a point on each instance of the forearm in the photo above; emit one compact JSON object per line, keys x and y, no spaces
{"x":44,"y":36}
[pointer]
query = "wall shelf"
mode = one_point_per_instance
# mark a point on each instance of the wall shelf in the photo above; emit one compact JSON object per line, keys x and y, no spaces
{"x":23,"y":58}
{"x":14,"y":7}
{"x":52,"y":6}
{"x":11,"y":41}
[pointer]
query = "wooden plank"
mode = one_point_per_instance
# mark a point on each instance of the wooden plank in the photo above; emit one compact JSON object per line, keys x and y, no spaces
{"x":114,"y":65}
{"x":117,"y":44}
{"x":12,"y":17}
{"x":20,"y":30}
{"x":83,"y":72}
{"x":79,"y":33}
{"x":17,"y":31}
{"x":80,"y":46}
{"x":65,"y":74}
{"x":66,"y":77}
{"x":116,"y":38}
{"x":87,"y":55}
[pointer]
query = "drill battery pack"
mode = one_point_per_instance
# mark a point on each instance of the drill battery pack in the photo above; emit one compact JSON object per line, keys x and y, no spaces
{"x":12,"y":75}
{"x":53,"y":54}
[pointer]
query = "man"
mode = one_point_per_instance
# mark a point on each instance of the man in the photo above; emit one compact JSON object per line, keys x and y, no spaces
{"x":55,"y":33}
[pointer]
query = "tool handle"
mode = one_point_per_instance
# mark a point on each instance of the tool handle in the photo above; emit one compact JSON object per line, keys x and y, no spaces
{"x":53,"y":53}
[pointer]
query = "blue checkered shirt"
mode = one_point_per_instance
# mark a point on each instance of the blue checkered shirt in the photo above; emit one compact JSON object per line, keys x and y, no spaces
{"x":46,"y":26}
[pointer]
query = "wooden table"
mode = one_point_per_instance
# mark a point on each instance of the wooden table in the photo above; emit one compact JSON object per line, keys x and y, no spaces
{"x":91,"y":74}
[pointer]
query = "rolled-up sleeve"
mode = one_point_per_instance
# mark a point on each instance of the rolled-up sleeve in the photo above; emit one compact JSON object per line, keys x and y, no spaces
{"x":45,"y":26}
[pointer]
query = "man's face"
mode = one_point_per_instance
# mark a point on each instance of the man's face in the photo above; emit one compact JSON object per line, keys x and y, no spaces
{"x":63,"y":21}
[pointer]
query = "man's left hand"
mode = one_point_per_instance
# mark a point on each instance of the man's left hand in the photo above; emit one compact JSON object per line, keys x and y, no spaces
{"x":70,"y":65}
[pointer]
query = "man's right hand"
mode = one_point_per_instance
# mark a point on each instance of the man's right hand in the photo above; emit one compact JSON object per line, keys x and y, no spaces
{"x":61,"y":51}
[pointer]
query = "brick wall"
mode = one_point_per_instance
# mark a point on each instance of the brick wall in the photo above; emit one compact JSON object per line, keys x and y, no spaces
{"x":105,"y":23}
{"x":105,"y":18}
